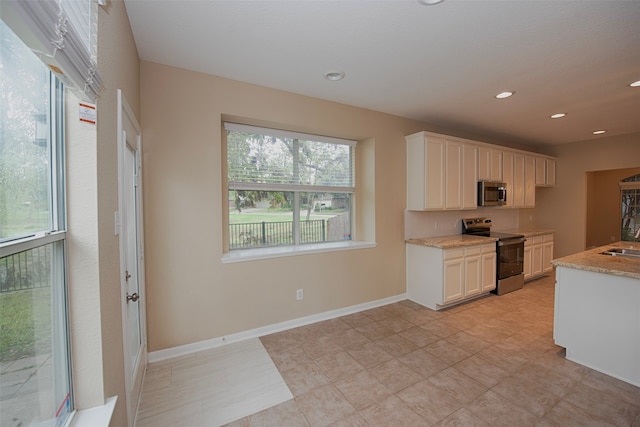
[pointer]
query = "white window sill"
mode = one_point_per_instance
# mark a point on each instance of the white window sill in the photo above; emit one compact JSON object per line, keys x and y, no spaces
{"x":99,"y":416}
{"x":242,"y":255}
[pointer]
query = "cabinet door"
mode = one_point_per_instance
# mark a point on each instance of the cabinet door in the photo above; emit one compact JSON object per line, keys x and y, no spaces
{"x":484,"y":164}
{"x":488,"y":271}
{"x":547,"y":255}
{"x":551,"y":172}
{"x":530,"y":182}
{"x":527,"y":262}
{"x":518,"y":180}
{"x":453,"y":280}
{"x":469,"y":177}
{"x":472,"y":275}
{"x":536,"y":260}
{"x":453,"y":182}
{"x":489,"y":164}
{"x":496,"y":165}
{"x":434,"y":173}
{"x":541,"y":171}
{"x":507,"y":175}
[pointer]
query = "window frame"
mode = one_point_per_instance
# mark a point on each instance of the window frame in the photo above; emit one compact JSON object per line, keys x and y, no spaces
{"x":629,"y":184}
{"x":54,"y":236}
{"x":262,"y":252}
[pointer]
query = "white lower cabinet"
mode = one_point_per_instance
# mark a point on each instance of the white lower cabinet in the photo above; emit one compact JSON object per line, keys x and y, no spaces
{"x":489,"y":266}
{"x":536,"y":256}
{"x":538,"y":253}
{"x":547,"y":253}
{"x":439,"y":277}
{"x":527,"y":260}
{"x":453,"y":275}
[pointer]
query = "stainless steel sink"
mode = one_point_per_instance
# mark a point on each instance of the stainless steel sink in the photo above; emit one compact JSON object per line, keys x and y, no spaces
{"x":625,"y":252}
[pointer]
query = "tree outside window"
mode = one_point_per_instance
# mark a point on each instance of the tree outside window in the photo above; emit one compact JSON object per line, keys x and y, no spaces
{"x":630,"y":203}
{"x":287,"y":188}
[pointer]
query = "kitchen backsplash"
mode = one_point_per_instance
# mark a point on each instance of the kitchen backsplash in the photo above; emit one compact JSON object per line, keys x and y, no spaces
{"x":444,"y":223}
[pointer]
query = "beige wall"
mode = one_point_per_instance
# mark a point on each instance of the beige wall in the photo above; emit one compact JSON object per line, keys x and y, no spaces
{"x":192,"y":296}
{"x":92,"y":172}
{"x":603,"y":205}
{"x":564,"y":207}
{"x":119,"y":66}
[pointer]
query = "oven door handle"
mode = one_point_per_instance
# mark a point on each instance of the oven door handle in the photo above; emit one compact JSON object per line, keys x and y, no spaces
{"x":511,"y":242}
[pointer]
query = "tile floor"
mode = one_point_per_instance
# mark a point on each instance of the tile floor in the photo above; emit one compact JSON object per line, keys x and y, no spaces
{"x":211,"y":388}
{"x":489,"y":362}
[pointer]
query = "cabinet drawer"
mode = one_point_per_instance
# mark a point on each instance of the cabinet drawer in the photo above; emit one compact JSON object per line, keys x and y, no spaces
{"x":488,"y":248}
{"x":537,"y":240}
{"x":547,"y":238}
{"x":473,"y":250}
{"x":453,"y":253}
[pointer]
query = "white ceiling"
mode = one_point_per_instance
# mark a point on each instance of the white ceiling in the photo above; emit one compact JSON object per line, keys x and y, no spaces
{"x":439,"y":64}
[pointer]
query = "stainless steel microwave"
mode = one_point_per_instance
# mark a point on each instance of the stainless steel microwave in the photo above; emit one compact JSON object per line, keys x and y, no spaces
{"x":492,"y":193}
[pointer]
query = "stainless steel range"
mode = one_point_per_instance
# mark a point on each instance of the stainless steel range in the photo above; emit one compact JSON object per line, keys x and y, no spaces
{"x":510,"y":254}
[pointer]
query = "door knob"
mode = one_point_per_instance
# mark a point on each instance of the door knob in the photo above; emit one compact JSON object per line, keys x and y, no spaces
{"x":133,"y":297}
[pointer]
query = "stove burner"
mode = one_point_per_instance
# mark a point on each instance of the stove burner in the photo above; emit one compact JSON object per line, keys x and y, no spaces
{"x":482,"y":227}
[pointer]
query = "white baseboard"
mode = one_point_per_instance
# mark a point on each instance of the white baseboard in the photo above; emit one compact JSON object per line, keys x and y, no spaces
{"x":156,"y":356}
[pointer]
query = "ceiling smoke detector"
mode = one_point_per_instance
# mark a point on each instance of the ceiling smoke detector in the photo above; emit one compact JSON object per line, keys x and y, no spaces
{"x":430,"y":2}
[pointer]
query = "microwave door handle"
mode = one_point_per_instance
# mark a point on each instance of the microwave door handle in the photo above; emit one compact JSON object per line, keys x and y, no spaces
{"x":502,"y":194}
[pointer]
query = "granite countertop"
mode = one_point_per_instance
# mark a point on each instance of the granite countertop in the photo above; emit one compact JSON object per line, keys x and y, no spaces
{"x":593,"y":260}
{"x":530,"y":232}
{"x":454,"y":241}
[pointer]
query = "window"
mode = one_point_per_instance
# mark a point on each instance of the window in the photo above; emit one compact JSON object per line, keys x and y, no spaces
{"x":630,"y":202}
{"x":287,"y":188}
{"x":34,"y":353}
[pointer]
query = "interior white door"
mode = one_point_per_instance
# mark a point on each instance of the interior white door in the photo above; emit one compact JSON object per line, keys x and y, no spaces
{"x":131,"y":256}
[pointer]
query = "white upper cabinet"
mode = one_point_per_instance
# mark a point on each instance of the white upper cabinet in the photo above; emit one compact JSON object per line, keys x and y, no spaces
{"x":551,"y":172}
{"x":425,"y":172}
{"x":529,"y":181}
{"x":508,"y":176}
{"x":490,"y":164}
{"x":453,"y":177}
{"x":469,"y":176}
{"x":519,"y":175}
{"x":517,"y":192}
{"x":441,"y":173}
{"x":545,"y":172}
{"x":541,"y":171}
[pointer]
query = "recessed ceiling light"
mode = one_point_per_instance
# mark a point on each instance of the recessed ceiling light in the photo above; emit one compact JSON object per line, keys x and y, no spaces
{"x":599,"y":132}
{"x":635,"y":84}
{"x":430,"y":2}
{"x":558,"y":115}
{"x":503,"y":95}
{"x":334,"y":76}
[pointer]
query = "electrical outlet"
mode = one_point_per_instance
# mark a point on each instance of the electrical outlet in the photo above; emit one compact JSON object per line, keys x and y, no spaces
{"x":299,"y":294}
{"x":435,"y":225}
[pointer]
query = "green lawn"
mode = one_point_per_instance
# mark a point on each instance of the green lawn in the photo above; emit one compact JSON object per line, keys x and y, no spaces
{"x":274,"y":215}
{"x":23,"y":220}
{"x":25,"y":323}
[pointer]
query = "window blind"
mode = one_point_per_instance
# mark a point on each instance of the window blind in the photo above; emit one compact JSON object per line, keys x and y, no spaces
{"x":262,"y":159}
{"x":63,"y":35}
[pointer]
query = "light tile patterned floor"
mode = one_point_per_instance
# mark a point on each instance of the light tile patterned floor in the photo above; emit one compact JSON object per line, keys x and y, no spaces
{"x":490,"y":362}
{"x":212,"y":387}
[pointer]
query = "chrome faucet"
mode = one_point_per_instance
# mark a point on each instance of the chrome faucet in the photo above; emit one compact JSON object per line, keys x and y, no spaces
{"x":637,"y":236}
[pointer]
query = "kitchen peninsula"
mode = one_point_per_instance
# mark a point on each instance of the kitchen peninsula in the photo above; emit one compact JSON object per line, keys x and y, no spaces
{"x":597,"y":310}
